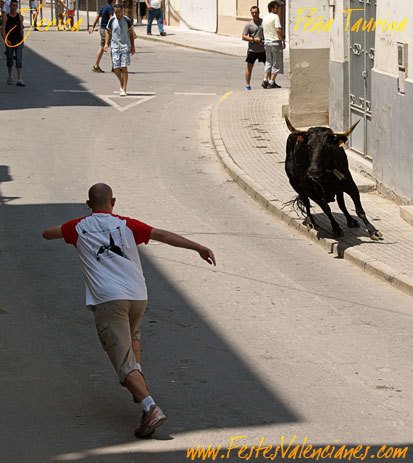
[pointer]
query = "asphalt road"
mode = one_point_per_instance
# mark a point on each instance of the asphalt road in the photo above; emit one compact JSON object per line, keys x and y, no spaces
{"x":279,"y":339}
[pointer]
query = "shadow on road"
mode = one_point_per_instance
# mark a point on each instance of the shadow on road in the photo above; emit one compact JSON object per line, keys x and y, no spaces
{"x":56,"y":383}
{"x":42,"y":78}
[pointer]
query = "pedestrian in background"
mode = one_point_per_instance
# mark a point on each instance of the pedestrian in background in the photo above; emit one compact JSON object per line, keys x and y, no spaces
{"x":154,"y":12}
{"x":120,"y":35}
{"x":71,"y":11}
{"x":1,"y":12}
{"x":254,"y":35}
{"x":12,"y":33}
{"x":61,"y":13}
{"x":116,"y":289}
{"x":141,"y":10}
{"x":274,"y":42}
{"x":105,"y":13}
{"x":34,"y":13}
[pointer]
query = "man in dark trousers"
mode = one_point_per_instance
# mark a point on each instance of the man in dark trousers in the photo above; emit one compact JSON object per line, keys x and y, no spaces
{"x":154,"y":12}
{"x":115,"y":287}
{"x":254,"y":35}
{"x":12,"y":32}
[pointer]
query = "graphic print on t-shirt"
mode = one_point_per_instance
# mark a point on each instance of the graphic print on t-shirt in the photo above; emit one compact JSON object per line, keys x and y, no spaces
{"x":111,"y":248}
{"x":106,"y":243}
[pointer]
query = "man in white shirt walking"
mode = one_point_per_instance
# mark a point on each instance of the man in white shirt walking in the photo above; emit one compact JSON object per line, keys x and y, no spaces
{"x":274,"y":43}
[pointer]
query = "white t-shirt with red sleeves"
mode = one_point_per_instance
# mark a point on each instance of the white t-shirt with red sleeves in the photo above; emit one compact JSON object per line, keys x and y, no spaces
{"x":107,"y":248}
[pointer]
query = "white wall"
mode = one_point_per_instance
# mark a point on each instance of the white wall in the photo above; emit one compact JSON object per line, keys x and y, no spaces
{"x":301,"y":36}
{"x":339,"y":39}
{"x":200,"y":14}
{"x":386,"y":41}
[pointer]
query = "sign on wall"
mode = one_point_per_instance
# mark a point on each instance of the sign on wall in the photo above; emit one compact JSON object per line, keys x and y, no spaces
{"x":200,"y":14}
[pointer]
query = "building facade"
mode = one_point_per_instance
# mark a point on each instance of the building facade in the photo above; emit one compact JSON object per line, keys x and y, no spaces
{"x":350,"y":61}
{"x":226,"y":17}
{"x":370,"y":50}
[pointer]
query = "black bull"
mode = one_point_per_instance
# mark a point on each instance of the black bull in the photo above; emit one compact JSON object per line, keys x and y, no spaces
{"x":317,"y":168}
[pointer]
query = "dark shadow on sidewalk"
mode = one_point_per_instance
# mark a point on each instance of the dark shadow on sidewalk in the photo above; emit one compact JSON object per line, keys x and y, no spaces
{"x":352,"y":236}
{"x":57,"y":383}
{"x":42,"y":77}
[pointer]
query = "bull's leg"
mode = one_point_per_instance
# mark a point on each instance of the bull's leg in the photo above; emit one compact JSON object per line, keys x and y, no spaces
{"x":351,"y":222}
{"x":337,"y":230}
{"x":309,"y":221}
{"x":353,"y":192}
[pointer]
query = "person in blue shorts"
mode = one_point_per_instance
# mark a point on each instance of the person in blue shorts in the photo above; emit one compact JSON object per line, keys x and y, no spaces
{"x":119,"y":33}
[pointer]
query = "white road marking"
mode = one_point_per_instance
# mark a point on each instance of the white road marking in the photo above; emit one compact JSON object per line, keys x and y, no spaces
{"x":135,"y":101}
{"x":137,"y":93}
{"x":200,"y":94}
{"x":72,"y":91}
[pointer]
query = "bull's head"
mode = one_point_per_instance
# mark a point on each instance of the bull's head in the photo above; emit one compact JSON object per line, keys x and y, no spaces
{"x":319,"y":142}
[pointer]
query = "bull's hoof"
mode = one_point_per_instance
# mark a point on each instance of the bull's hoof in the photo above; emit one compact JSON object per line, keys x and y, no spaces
{"x":376,"y":235}
{"x":309,"y":224}
{"x":353,"y":223}
{"x":338,"y":233}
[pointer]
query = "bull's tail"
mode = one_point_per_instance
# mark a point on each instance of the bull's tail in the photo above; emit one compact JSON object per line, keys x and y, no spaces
{"x":297,"y":205}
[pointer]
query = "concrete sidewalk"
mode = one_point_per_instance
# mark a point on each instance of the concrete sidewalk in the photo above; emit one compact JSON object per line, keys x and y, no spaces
{"x":197,"y":40}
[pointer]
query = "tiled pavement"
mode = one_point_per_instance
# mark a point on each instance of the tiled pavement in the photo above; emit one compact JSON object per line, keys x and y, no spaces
{"x":250,"y":136}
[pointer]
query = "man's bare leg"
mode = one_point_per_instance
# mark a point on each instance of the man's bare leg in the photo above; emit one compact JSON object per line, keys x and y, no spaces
{"x":124,"y":82}
{"x":99,"y":55}
{"x":136,"y":385}
{"x":248,"y":73}
{"x":118,"y":74}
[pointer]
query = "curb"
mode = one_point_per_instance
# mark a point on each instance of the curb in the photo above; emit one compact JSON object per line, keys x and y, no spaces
{"x":183,"y":45}
{"x":370,"y":265}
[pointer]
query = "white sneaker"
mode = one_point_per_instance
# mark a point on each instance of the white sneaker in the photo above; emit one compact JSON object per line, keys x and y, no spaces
{"x":122,"y":93}
{"x":20,"y":83}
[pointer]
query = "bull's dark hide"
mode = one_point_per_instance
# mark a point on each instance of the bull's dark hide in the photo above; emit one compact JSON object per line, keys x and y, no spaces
{"x":317,"y":168}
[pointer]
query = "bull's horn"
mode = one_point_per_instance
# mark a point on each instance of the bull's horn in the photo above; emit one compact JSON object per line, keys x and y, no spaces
{"x":291,"y":128}
{"x":348,"y":132}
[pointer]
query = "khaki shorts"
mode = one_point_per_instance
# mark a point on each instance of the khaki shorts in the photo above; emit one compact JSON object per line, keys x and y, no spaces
{"x":102,"y":33}
{"x":117,"y":324}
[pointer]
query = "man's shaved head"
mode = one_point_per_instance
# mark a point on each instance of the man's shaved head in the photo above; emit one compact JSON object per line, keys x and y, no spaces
{"x":100,"y":197}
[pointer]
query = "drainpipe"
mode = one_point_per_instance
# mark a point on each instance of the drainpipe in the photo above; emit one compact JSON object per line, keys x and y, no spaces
{"x":216,"y":22}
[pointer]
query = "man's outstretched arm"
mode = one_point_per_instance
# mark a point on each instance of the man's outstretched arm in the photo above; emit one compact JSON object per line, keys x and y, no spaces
{"x":52,"y":233}
{"x":179,"y":241}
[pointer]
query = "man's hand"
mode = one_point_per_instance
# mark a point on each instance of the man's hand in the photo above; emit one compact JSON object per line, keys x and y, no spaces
{"x":179,"y":241}
{"x":52,"y":233}
{"x":257,"y":40}
{"x":132,"y":50}
{"x":106,"y":48}
{"x":91,"y":29}
{"x":207,"y":255}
